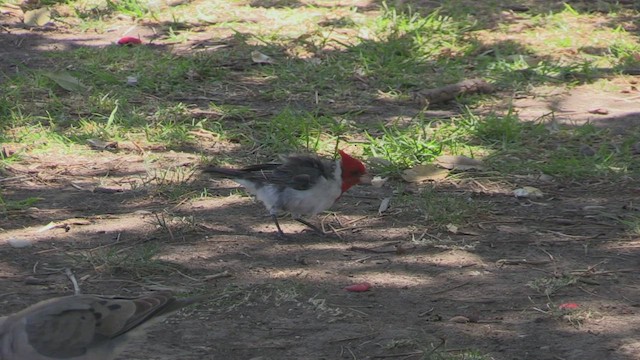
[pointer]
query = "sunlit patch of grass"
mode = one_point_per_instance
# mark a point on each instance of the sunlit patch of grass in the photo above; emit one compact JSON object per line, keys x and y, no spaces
{"x":394,"y":53}
{"x":135,"y":8}
{"x":403,"y":148}
{"x":496,"y":130}
{"x":290,"y":131}
{"x":156,"y":72}
{"x":419,"y":142}
{"x":527,"y":147}
{"x":406,"y":47}
{"x":8,"y":205}
{"x":508,"y":144}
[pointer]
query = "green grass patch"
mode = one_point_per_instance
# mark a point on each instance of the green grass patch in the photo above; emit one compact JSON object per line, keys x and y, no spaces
{"x":441,"y":209}
{"x":8,"y":206}
{"x":297,"y":130}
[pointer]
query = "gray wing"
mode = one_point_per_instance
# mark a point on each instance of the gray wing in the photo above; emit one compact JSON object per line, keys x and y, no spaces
{"x":298,"y":172}
{"x":73,"y":326}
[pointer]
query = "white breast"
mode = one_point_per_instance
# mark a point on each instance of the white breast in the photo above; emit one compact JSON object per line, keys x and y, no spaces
{"x":309,"y":202}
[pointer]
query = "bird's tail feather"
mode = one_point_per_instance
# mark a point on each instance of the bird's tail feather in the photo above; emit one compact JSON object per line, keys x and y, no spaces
{"x":223,"y":172}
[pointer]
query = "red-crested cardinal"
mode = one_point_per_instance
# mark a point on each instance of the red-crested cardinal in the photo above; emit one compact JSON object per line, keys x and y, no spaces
{"x":302,"y":185}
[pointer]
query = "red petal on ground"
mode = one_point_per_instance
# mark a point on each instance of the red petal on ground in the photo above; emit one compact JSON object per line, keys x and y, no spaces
{"x":129,"y":40}
{"x":569,"y":305}
{"x":358,"y":287}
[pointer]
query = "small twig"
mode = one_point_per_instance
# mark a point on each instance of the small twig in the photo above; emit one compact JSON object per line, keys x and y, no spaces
{"x":187,"y":276}
{"x":138,"y":147}
{"x":53,"y":225}
{"x":425,"y":233}
{"x":217,"y":276}
{"x":121,"y":280}
{"x":398,"y":355}
{"x":354,"y":220}
{"x":571,"y":236}
{"x":591,"y":293}
{"x":502,"y":262}
{"x":360,"y":260}
{"x":19,"y":177}
{"x":364,"y":249}
{"x":46,"y":251}
{"x":102,"y":246}
{"x":77,"y":186}
{"x":590,"y":269}
{"x":7,"y":294}
{"x":426,"y":312}
{"x":548,"y":254}
{"x":442,"y":342}
{"x":607,"y":272}
{"x":163,"y":223}
{"x":66,"y":225}
{"x":352,"y":354}
{"x":352,"y":338}
{"x":335,"y":231}
{"x":448,"y":289}
{"x":76,"y":288}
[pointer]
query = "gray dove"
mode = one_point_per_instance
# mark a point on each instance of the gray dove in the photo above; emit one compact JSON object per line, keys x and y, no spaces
{"x":81,"y":327}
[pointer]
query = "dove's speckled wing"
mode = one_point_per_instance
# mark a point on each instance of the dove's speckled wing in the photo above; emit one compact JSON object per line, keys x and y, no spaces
{"x":80,"y":327}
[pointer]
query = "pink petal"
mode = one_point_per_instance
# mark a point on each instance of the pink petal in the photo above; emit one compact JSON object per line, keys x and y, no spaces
{"x":361,"y":287}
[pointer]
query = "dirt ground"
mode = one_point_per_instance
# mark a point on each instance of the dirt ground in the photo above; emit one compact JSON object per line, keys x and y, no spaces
{"x":481,"y":289}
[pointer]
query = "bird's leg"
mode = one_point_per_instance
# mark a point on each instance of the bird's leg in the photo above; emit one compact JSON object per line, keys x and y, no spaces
{"x":313,"y":227}
{"x":275,"y":220}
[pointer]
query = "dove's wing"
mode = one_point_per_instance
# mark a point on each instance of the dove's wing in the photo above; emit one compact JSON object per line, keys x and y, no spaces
{"x":80,"y":327}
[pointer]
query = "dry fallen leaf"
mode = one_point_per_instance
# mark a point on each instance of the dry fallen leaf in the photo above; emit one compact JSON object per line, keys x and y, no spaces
{"x":457,"y":230}
{"x":384,"y":205}
{"x":427,"y":172}
{"x":102,"y":145}
{"x":66,"y":81}
{"x":37,"y":17}
{"x":528,"y":192}
{"x":260,"y":58}
{"x":459,"y":162}
{"x":599,"y":111}
{"x":513,"y":229}
{"x":460,"y":319}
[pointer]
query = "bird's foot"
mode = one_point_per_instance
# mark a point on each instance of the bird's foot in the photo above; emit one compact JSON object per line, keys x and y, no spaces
{"x":311,"y":226}
{"x":281,"y":235}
